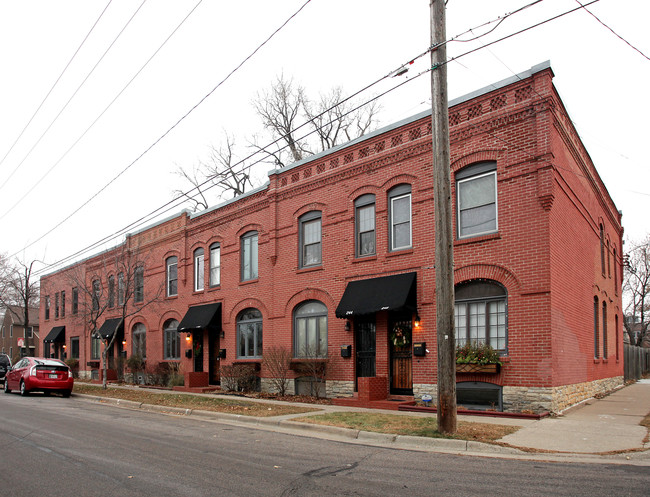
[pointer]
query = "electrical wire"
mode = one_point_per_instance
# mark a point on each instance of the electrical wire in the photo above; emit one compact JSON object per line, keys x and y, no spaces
{"x":181,"y":198}
{"x":48,"y":94}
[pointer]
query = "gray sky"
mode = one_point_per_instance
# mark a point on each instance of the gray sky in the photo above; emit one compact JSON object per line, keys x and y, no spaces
{"x":50,"y":173}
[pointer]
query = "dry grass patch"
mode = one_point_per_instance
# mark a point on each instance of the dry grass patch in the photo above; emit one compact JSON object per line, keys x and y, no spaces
{"x":409,"y":425}
{"x":188,"y":401}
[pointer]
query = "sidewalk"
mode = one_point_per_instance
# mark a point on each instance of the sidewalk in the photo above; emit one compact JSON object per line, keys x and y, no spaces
{"x":598,"y":431}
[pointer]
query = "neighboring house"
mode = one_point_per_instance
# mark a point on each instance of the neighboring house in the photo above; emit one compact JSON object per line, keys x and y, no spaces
{"x":334,"y":258}
{"x":15,"y":341}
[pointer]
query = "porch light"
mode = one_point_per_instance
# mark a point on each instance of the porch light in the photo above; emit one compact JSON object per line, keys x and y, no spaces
{"x":347,"y":325}
{"x":123,"y":343}
{"x":188,"y":337}
{"x":65,"y":346}
{"x":416,"y":323}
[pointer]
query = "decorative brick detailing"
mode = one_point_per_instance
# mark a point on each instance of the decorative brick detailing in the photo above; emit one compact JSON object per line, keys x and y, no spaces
{"x":334,"y":163}
{"x":347,"y":158}
{"x":380,"y":146}
{"x":364,"y":152}
{"x":320,"y":168}
{"x":498,"y":102}
{"x":455,"y":119}
{"x":372,"y":388}
{"x":396,"y":140}
{"x":474,"y":111}
{"x":414,"y":134}
{"x":524,"y":93}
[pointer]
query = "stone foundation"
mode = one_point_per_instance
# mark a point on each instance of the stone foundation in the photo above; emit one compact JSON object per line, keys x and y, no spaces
{"x":335,"y":389}
{"x":419,"y":389}
{"x":266,"y":385}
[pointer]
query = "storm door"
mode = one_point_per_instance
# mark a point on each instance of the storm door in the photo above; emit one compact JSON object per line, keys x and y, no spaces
{"x":399,"y":337}
{"x":364,"y":330}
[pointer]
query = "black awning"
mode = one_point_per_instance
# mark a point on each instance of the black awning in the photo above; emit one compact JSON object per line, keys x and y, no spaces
{"x":111,"y":326}
{"x":199,"y":317}
{"x":387,"y":293}
{"x":56,"y":335}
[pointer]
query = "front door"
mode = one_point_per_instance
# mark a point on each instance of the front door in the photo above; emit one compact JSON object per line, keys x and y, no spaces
{"x":365,"y":346}
{"x":213,"y":357}
{"x":197,"y":339}
{"x":399,"y":336}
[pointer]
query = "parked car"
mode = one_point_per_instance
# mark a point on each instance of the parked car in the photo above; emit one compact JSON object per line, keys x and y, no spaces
{"x":39,"y":374}
{"x":5,"y":364}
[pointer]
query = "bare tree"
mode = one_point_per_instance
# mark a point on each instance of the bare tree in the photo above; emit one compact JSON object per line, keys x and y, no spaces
{"x":115,"y":287}
{"x":298,"y":128}
{"x":636,"y":290}
{"x":18,"y":289}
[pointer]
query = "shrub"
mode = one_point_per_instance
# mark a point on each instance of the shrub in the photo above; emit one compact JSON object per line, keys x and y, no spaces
{"x":476,"y":353}
{"x":277,"y":364}
{"x":238,"y":378}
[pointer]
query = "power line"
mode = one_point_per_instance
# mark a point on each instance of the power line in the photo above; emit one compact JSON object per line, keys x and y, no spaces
{"x":61,"y":112}
{"x":179,"y":200}
{"x":48,"y":94}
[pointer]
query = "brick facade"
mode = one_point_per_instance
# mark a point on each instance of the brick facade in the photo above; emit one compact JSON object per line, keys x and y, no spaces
{"x":545,"y":253}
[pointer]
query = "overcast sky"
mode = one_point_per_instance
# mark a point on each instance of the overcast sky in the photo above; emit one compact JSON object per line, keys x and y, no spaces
{"x":107,"y":110}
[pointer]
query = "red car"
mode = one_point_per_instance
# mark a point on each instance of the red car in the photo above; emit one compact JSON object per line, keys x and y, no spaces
{"x":39,"y":374}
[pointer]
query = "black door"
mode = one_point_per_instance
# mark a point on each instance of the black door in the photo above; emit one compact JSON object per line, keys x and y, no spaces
{"x":399,"y":336}
{"x":197,"y":337}
{"x":365,"y":346}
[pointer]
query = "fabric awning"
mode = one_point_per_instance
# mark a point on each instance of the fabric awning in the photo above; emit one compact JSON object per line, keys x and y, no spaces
{"x":57,"y":334}
{"x":203,"y":316}
{"x":111,"y":326}
{"x":386,"y":293}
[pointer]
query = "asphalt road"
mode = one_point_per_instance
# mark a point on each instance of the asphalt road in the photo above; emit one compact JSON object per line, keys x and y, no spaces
{"x":54,"y":447}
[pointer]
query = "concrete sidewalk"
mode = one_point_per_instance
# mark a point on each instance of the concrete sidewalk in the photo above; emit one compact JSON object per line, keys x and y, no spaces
{"x":598,"y":431}
{"x":597,"y":426}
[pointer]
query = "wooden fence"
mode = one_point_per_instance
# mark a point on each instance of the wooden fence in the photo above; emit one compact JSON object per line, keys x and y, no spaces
{"x":637,"y":362}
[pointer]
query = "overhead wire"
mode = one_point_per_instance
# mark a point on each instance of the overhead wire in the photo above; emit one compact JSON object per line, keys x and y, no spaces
{"x":179,"y":200}
{"x":74,"y":55}
{"x":56,"y":118}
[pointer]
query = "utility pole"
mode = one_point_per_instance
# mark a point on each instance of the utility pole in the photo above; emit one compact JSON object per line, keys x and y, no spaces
{"x":443,"y":227}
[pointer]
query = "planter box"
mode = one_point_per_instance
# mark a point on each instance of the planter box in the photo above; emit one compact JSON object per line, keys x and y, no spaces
{"x":477,"y":368}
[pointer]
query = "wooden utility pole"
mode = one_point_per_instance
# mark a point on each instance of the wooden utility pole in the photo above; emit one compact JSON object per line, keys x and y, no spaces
{"x":443,"y":214}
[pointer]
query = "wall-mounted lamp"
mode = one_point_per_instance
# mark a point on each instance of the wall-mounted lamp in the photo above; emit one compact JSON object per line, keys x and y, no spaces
{"x":222,"y":334}
{"x":188,"y":337}
{"x":416,"y":323}
{"x":348,"y":327}
{"x":123,"y":343}
{"x":64,"y":346}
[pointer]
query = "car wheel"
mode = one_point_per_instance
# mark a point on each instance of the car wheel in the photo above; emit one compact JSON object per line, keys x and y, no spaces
{"x":66,"y":393}
{"x":7,"y":387}
{"x":23,"y":389}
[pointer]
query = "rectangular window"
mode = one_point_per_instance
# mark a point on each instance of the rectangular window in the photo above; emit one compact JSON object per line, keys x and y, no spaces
{"x":111,"y":291}
{"x":29,"y":332}
{"x":172,"y":344}
{"x":75,"y":300}
{"x":477,"y":204}
{"x":199,"y":270}
{"x":138,"y":284}
{"x":481,"y":322}
{"x":310,"y":240}
{"x":365,"y":220}
{"x":596,"y":333}
{"x":400,"y":222}
{"x":63,"y":304}
{"x":215,"y":265}
{"x":11,"y":331}
{"x":604,"y":330}
{"x":74,"y":348}
{"x":121,"y":289}
{"x":56,"y":305}
{"x":47,"y":307}
{"x":249,"y":256}
{"x":96,"y":295}
{"x":95,"y":347}
{"x":172,"y":276}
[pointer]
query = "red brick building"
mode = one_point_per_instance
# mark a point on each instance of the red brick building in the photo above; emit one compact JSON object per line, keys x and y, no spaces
{"x":334,"y":256}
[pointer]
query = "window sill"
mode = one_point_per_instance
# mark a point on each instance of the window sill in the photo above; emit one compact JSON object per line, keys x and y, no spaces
{"x":405,"y":251}
{"x":198,"y":292}
{"x":365,"y":258}
{"x":248,"y":282}
{"x":597,"y":360}
{"x":171,"y":297}
{"x":244,"y":360}
{"x":309,"y":269}
{"x":213,"y":288}
{"x":478,"y":238}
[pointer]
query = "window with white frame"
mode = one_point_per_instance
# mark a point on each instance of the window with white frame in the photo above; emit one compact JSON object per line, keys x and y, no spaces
{"x":249,"y":256}
{"x":95,"y":347}
{"x":399,"y":207}
{"x":121,"y":289}
{"x":310,"y":330}
{"x":96,"y":295}
{"x":47,"y":307}
{"x":199,"y":270}
{"x":111,"y":291}
{"x":481,"y":314}
{"x":249,"y":334}
{"x":364,"y":218}
{"x":476,"y":199}
{"x":139,"y":337}
{"x":172,"y":276}
{"x":215,"y":264}
{"x":138,"y":284}
{"x":172,"y":340}
{"x":310,"y":239}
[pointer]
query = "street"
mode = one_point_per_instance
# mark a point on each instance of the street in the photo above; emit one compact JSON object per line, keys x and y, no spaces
{"x":61,"y":447}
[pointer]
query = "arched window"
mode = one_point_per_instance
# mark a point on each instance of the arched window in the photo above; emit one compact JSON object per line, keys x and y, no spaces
{"x":310,"y":330}
{"x":172,"y":340}
{"x":139,"y":337}
{"x":249,"y":256}
{"x":172,"y":276}
{"x":215,"y":264}
{"x":364,"y":219}
{"x":476,"y":199}
{"x":249,"y":334}
{"x":399,"y":208}
{"x":481,"y":314}
{"x":199,"y":270}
